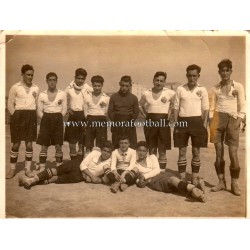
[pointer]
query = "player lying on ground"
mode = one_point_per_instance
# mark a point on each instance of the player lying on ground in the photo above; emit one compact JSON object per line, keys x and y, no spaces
{"x":91,"y":169}
{"x":150,"y":175}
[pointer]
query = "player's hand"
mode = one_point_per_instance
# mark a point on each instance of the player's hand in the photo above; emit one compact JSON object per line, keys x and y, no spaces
{"x":123,"y":175}
{"x":70,"y":112}
{"x":141,"y":182}
{"x":117,"y":176}
{"x":96,"y":179}
{"x":238,"y":122}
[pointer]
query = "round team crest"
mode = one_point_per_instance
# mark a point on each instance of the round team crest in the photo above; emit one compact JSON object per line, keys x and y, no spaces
{"x":199,"y":93}
{"x":103,"y":104}
{"x":164,"y":99}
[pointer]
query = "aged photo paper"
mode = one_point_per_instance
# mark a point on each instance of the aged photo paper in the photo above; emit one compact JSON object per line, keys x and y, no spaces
{"x":113,"y":54}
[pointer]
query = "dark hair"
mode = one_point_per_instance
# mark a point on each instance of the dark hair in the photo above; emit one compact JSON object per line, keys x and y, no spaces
{"x":51,"y":74}
{"x":142,"y":144}
{"x":81,"y":72}
{"x":107,"y":144}
{"x":98,"y":79}
{"x":160,"y":73}
{"x":126,"y":79}
{"x":123,"y":137}
{"x":225,"y":63}
{"x":194,"y":67}
{"x":26,"y":67}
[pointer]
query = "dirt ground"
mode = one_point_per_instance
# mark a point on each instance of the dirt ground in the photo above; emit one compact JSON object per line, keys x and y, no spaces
{"x":90,"y":200}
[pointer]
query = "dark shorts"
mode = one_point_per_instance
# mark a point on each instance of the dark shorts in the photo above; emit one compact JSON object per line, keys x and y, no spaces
{"x":51,"y":130}
{"x":161,"y":183}
{"x":23,"y":126}
{"x":223,"y":128}
{"x":95,"y":131}
{"x":123,"y":130}
{"x":130,"y":177}
{"x":75,"y":134}
{"x":158,"y":136}
{"x":192,"y":128}
{"x":69,"y":172}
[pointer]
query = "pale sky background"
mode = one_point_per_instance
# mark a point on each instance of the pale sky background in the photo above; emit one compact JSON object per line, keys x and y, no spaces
{"x":115,"y":56}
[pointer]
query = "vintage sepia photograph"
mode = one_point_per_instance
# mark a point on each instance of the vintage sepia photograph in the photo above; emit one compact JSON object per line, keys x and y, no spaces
{"x":125,"y":124}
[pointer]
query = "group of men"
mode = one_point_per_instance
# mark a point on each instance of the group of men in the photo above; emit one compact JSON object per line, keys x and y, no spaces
{"x":122,"y":167}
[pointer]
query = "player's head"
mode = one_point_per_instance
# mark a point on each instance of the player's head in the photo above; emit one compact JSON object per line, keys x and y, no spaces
{"x":225,"y":69}
{"x":106,"y":149}
{"x":124,"y":142}
{"x":193,"y":74}
{"x":27,"y":73}
{"x":97,"y":83}
{"x":159,"y":80}
{"x":51,"y":79}
{"x":125,"y":84}
{"x":80,"y":76}
{"x":142,"y":149}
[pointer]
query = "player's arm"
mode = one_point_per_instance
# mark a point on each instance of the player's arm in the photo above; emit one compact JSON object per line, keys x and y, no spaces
{"x":40,"y":106}
{"x":136,"y":108}
{"x":94,"y":179}
{"x":113,"y":166}
{"x":111,"y":113}
{"x":242,"y":104}
{"x":155,"y":170}
{"x":11,"y":100}
{"x":176,"y":105}
{"x":64,"y":104}
{"x":142,"y":103}
{"x":171,"y":105}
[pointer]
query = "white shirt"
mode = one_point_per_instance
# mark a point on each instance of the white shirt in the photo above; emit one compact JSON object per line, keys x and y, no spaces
{"x":191,"y":102}
{"x":152,"y":168}
{"x":233,"y":104}
{"x":99,"y":108}
{"x":93,"y":164}
{"x":76,"y":97}
{"x":159,"y":105}
{"x":123,"y":160}
{"x":19,"y":99}
{"x":59,"y":105}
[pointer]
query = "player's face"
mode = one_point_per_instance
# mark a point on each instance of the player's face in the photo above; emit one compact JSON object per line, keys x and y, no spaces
{"x":142,"y":152}
{"x":106,"y":153}
{"x":124,"y":87}
{"x":97,"y":87}
{"x":159,"y":82}
{"x":28,"y":76}
{"x":52,"y":81}
{"x":192,"y":76}
{"x":124,"y":144}
{"x":79,"y":80}
{"x":225,"y":73}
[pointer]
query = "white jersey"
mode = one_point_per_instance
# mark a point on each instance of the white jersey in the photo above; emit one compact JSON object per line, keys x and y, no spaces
{"x":159,"y":105}
{"x":93,"y":164}
{"x":76,"y":97}
{"x":59,"y":105}
{"x":98,"y":108}
{"x":22,"y":97}
{"x":191,"y":102}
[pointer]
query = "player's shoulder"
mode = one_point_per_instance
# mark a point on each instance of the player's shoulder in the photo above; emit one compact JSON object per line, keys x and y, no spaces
{"x":105,"y":95}
{"x":237,"y":84}
{"x":131,"y":150}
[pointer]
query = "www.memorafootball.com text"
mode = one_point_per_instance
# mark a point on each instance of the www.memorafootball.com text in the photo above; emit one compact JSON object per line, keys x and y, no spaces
{"x":132,"y":123}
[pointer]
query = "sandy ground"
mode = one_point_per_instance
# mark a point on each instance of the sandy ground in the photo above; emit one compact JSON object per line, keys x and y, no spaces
{"x":90,"y":200}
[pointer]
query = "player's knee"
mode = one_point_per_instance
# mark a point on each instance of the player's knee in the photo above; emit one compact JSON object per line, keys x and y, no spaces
{"x":58,"y":148}
{"x":16,"y":146}
{"x":44,"y":149}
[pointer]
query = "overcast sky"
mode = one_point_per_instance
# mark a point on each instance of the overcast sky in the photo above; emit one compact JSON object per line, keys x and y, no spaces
{"x":115,"y":56}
